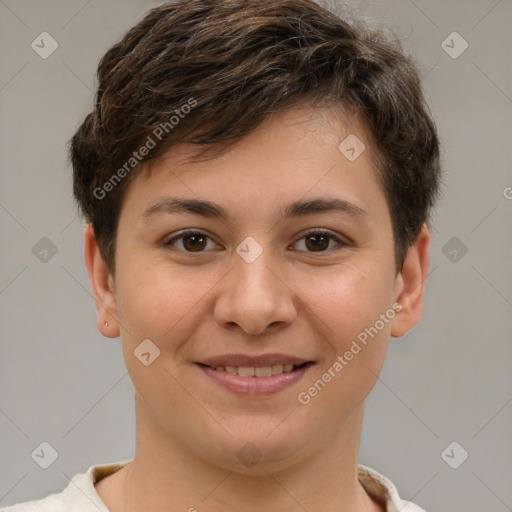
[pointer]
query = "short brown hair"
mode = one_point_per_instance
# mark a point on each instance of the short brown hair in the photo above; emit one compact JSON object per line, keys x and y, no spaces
{"x":236,"y":62}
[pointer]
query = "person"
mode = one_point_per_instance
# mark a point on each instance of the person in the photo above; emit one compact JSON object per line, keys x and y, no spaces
{"x":257,"y":179}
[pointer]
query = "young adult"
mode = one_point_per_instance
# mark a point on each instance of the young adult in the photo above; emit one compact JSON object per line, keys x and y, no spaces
{"x":257,"y":178}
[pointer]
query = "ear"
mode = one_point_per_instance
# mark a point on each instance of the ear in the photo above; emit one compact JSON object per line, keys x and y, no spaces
{"x":102,"y":285}
{"x":410,"y":285}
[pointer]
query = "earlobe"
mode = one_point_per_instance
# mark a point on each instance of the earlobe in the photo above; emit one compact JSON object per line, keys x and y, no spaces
{"x":411,"y":284}
{"x":102,"y":285}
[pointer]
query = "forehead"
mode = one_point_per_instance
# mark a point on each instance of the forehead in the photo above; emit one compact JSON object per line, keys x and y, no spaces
{"x":298,"y":126}
{"x":297,"y":153}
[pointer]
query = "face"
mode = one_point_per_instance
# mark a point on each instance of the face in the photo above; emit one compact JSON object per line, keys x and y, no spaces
{"x":271,"y":282}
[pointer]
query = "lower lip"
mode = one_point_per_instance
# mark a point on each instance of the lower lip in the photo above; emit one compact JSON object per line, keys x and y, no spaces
{"x":255,"y":386}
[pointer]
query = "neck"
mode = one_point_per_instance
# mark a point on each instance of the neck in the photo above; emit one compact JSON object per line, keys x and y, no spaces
{"x":166,"y":475}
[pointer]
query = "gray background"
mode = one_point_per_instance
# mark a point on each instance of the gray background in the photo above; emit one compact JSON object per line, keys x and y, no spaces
{"x":447,"y":380}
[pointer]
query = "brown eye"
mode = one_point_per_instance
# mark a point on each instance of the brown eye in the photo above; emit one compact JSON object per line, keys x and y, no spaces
{"x":191,"y":241}
{"x":319,"y":241}
{"x":194,"y":242}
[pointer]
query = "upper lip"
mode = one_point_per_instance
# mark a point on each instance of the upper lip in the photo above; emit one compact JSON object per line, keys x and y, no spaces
{"x":253,"y":361}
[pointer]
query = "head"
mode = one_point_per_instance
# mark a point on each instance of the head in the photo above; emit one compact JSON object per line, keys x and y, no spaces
{"x":246,"y":104}
{"x":210,"y":73}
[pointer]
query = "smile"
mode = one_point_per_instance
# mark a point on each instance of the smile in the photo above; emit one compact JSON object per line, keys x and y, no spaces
{"x":257,"y":371}
{"x":255,"y":380}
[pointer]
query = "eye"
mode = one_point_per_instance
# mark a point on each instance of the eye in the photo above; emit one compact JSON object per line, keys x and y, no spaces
{"x":318,"y":240}
{"x":315,"y":240}
{"x":191,"y":241}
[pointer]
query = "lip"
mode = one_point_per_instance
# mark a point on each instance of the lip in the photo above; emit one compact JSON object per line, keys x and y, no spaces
{"x":253,"y":361}
{"x":255,"y":386}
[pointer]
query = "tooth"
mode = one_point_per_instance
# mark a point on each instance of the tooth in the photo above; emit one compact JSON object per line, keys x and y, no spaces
{"x":288,"y":367}
{"x":264,"y":371}
{"x":219,"y":368}
{"x":277,"y":369}
{"x":233,"y":370}
{"x":246,"y":371}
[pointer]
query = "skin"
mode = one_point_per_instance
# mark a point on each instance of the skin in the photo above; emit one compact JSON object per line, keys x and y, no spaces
{"x":304,"y":302}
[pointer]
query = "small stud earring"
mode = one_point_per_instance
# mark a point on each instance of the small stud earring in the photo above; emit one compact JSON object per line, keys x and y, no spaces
{"x":106,"y":324}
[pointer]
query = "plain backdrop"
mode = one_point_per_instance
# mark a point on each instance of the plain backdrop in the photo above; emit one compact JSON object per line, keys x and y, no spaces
{"x":447,"y":381}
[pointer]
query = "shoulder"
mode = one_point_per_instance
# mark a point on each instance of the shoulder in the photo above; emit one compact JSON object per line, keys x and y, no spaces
{"x":383,"y":490}
{"x":79,"y":496}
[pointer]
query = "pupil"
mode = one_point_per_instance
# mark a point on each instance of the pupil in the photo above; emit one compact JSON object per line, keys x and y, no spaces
{"x":194,"y":239}
{"x":324,"y":243}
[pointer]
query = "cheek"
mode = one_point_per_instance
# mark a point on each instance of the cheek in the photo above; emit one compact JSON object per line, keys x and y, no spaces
{"x":346,"y":301}
{"x":163,"y":304}
{"x":157,"y":304}
{"x":347,"y":311}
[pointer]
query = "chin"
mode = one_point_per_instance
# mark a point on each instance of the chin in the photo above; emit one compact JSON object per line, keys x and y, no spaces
{"x":267,"y":445}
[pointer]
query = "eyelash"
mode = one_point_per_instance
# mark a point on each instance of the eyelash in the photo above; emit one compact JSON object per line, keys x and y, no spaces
{"x":312,"y":232}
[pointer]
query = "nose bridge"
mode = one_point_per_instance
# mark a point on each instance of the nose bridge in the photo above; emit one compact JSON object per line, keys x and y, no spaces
{"x":253,"y":263}
{"x":254,"y":296}
{"x":257,"y":278}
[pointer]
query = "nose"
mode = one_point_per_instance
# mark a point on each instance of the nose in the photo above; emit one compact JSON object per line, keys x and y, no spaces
{"x":255,"y":296}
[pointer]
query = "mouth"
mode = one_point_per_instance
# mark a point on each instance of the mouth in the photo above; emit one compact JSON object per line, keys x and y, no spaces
{"x":255,"y":376}
{"x":258,"y":371}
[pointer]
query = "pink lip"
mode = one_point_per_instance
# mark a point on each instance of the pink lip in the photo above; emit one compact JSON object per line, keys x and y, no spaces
{"x":254,"y":386}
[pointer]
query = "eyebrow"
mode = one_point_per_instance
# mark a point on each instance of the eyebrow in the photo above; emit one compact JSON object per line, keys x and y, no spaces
{"x":203,"y":208}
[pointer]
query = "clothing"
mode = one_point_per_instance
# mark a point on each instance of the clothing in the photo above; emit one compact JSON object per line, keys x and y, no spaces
{"x":81,"y":496}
